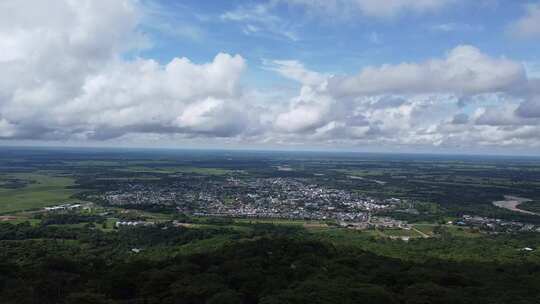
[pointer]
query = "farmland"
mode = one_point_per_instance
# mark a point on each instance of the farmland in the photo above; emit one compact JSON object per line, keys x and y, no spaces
{"x":40,"y":190}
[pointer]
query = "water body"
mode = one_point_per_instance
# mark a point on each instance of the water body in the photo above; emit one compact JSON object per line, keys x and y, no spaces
{"x":512,"y":203}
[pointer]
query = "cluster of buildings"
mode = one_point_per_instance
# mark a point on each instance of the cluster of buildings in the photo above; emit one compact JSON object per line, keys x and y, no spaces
{"x":376,"y":222}
{"x":133,"y":224}
{"x":495,"y":225}
{"x":68,"y":207}
{"x":287,"y":198}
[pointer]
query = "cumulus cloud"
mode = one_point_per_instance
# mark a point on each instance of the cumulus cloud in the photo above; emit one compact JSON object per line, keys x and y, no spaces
{"x":527,"y":26}
{"x":388,"y":102}
{"x":411,"y":104}
{"x":325,"y":114}
{"x":64,"y":76}
{"x":529,"y":108}
{"x":502,"y":115}
{"x":465,"y":70}
{"x":460,"y":119}
{"x":214,"y":117}
{"x":310,"y":110}
{"x":6,"y":129}
{"x":295,"y":70}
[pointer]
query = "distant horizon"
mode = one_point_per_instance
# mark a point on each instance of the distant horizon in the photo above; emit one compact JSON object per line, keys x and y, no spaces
{"x":276,"y":150}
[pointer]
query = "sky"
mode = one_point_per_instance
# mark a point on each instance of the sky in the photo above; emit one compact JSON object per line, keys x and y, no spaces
{"x":429,"y":76}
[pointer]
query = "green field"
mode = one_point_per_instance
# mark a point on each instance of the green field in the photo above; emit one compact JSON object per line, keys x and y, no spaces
{"x":426,"y":228}
{"x":172,"y":170}
{"x":274,"y":221}
{"x":46,"y":190}
{"x":462,"y":232}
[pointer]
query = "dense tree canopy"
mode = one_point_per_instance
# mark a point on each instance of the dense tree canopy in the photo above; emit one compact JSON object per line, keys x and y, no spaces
{"x":268,"y":264}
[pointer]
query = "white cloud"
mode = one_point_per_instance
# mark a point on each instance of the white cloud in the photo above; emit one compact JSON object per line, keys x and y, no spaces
{"x":527,"y":26}
{"x":310,"y":110}
{"x":391,"y":8}
{"x":174,"y":21}
{"x":460,"y":119}
{"x":456,"y":27}
{"x":371,"y":8}
{"x":411,"y":104}
{"x":465,"y":70}
{"x":295,"y":70}
{"x":65,"y":78}
{"x":501,"y":115}
{"x":260,"y":19}
{"x":530,"y":108}
{"x":214,"y":117}
{"x":6,"y":129}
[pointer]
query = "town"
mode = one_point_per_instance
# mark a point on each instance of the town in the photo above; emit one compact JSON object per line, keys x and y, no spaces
{"x":493,"y":225}
{"x":285,"y":198}
{"x":280,"y":198}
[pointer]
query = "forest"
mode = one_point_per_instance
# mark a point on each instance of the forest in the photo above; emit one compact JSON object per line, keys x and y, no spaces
{"x":52,"y":263}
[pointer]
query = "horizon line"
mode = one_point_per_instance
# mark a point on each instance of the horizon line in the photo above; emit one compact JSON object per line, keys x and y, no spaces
{"x":276,"y":150}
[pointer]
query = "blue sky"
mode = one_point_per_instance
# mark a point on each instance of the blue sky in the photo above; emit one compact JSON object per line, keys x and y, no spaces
{"x":406,"y":75}
{"x":342,"y":42}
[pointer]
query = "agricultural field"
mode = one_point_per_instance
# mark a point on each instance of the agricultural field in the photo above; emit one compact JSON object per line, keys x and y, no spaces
{"x":40,"y":190}
{"x":173,"y":170}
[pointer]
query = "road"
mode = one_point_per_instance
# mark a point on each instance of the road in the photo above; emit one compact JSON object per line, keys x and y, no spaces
{"x":420,"y":232}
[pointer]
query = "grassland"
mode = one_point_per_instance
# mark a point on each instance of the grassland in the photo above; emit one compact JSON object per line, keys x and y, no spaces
{"x":172,"y":170}
{"x":44,"y":190}
{"x":276,"y":221}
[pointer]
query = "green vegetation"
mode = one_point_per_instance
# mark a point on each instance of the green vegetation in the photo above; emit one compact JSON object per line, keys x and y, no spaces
{"x":530,"y":206}
{"x":43,"y":190}
{"x":276,"y":221}
{"x":427,"y":229}
{"x":449,"y":247}
{"x":82,"y":257}
{"x":63,"y":263}
{"x":172,"y":170}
